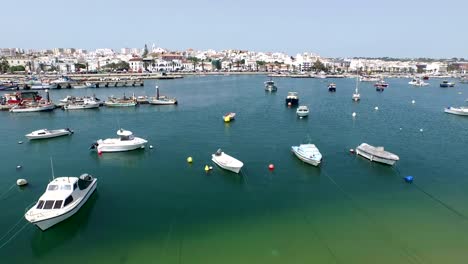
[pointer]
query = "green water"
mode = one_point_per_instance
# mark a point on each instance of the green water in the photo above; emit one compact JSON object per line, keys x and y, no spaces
{"x":151,"y":206}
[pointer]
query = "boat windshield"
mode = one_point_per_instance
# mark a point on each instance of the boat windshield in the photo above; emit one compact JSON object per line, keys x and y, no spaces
{"x":54,"y":187}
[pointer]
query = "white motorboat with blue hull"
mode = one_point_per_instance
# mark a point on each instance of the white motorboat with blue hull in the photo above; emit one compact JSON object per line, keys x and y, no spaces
{"x":377,"y":154}
{"x":64,"y":196}
{"x":457,"y":110}
{"x":308,"y":153}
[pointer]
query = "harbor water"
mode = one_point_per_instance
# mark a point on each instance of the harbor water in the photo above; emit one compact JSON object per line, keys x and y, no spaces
{"x":151,"y":206}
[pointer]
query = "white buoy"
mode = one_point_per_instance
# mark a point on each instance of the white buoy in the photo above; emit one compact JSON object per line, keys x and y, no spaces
{"x":421,"y":130}
{"x":413,"y":101}
{"x":20,"y":142}
{"x":354,"y":114}
{"x":151,"y":146}
{"x":21,"y":182}
{"x":376,"y":108}
{"x":401,"y":128}
{"x":18,"y":167}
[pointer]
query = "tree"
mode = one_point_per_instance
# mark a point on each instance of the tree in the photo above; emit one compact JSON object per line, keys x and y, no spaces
{"x":216,"y":64}
{"x":4,"y":65}
{"x":319,"y":66}
{"x":17,"y":68}
{"x":145,"y":52}
{"x":260,"y":64}
{"x":80,"y":66}
{"x":194,"y":61}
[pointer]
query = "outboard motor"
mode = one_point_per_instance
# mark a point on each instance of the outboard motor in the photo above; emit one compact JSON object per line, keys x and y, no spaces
{"x":218,"y":152}
{"x":94,"y":145}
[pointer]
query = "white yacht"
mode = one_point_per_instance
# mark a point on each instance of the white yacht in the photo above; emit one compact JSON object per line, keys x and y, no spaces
{"x":308,"y":153}
{"x":457,"y":110}
{"x":45,"y":133}
{"x":125,"y":142}
{"x":63,"y":197}
{"x":226,"y":162}
{"x":302,"y":111}
{"x":377,"y":154}
{"x":85,"y":103}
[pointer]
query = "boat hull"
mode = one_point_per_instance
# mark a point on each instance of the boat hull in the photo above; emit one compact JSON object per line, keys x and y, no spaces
{"x":371,"y":157}
{"x":103,"y":147}
{"x":456,"y":112}
{"x":235,"y":167}
{"x":33,"y":109}
{"x":80,"y":106}
{"x":305,"y":159}
{"x":162,"y":102}
{"x":58,"y":134}
{"x":292,"y":101}
{"x":47,"y":223}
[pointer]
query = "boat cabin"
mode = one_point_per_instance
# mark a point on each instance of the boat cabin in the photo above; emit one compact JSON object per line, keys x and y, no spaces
{"x":58,"y":193}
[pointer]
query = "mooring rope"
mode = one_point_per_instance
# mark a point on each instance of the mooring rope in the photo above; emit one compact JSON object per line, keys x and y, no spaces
{"x":447,"y":206}
{"x":14,"y":235}
{"x":7,"y":191}
{"x":414,"y":258}
{"x":11,"y":229}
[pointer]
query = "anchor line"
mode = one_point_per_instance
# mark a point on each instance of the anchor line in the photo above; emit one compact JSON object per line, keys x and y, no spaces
{"x":11,"y":229}
{"x":14,"y":235}
{"x":447,"y":206}
{"x":7,"y":191}
{"x":411,"y":257}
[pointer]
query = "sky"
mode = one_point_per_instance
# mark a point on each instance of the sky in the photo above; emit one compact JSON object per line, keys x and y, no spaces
{"x":330,"y":28}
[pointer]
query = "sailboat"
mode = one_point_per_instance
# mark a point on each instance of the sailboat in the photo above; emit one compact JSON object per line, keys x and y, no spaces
{"x":356,"y":96}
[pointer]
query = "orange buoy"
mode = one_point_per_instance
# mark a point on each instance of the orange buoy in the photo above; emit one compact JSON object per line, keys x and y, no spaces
{"x":271,"y":167}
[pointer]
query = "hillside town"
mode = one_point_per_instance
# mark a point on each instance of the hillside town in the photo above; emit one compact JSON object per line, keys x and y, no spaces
{"x":156,"y":59}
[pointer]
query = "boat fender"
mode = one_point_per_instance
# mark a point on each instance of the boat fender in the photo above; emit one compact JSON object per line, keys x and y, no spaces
{"x":207,"y":168}
{"x":189,"y":160}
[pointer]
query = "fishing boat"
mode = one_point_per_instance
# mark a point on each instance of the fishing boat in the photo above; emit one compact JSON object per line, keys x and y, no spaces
{"x":377,"y":154}
{"x":228,"y":117}
{"x":270,"y":86}
{"x":161,"y":99}
{"x":332,"y":87}
{"x":302,"y":111}
{"x":63,"y":197}
{"x":418,"y":82}
{"x":380,"y":85}
{"x":457,"y":110}
{"x":85,"y":103}
{"x":45,"y":133}
{"x":308,"y":153}
{"x":125,"y":142}
{"x":292,"y":98}
{"x":226,"y":162}
{"x":120,"y":102}
{"x":33,"y":107}
{"x":446,"y":84}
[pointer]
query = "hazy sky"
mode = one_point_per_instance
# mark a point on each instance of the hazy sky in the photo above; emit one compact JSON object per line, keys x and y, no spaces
{"x":329,"y":27}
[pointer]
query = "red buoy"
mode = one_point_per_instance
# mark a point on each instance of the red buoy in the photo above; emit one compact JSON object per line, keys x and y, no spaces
{"x":271,"y":167}
{"x":99,"y":152}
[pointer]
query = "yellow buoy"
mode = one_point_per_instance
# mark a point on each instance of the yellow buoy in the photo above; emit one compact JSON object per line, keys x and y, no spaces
{"x":189,"y":159}
{"x":227,"y":119}
{"x":207,"y":168}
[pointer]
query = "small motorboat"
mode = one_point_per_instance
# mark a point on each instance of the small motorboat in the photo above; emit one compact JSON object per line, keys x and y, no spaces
{"x":380,"y":85}
{"x":228,"y":117}
{"x":85,"y":103}
{"x":446,"y":84}
{"x":377,"y":154}
{"x":418,"y":82}
{"x":292,"y":98}
{"x":308,"y":153}
{"x":302,"y":111}
{"x":63,"y":197}
{"x":161,"y":99}
{"x":32,"y":107}
{"x":457,"y":110}
{"x":125,"y":142}
{"x":83,"y":85}
{"x":45,"y":133}
{"x":270,"y":86}
{"x":332,"y":87}
{"x":226,"y":162}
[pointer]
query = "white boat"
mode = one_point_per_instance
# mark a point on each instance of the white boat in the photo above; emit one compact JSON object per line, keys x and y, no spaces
{"x":33,"y":107}
{"x":226,"y":162}
{"x":417,"y":82}
{"x":368,"y":78}
{"x":43,"y":86}
{"x":308,"y":153}
{"x":270,"y":86}
{"x":356,"y":96}
{"x":457,"y":110}
{"x":161,"y":100}
{"x":83,"y":85}
{"x":120,"y":102}
{"x":45,"y":133}
{"x":229,"y":116}
{"x":302,"y":111}
{"x":377,"y":154}
{"x":125,"y":142}
{"x":87,"y":103}
{"x":63,"y":197}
